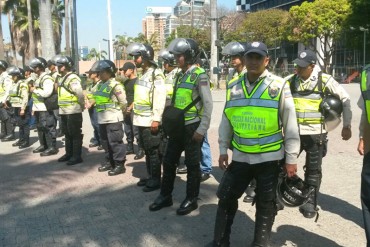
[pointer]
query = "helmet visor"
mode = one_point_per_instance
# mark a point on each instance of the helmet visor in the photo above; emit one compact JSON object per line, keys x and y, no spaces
{"x":178,"y":46}
{"x":233,"y":49}
{"x":135,"y":49}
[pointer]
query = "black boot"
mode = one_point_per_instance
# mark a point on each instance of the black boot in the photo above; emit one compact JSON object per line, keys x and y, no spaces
{"x":310,"y":209}
{"x":51,"y":142}
{"x":49,"y":151}
{"x":69,"y":149}
{"x":192,"y":192}
{"x":118,"y":169}
{"x":140,"y":154}
{"x":43,"y":146}
{"x":39,"y":149}
{"x":17,"y":143}
{"x":77,"y":150}
{"x":224,"y":220}
{"x":161,"y":202}
{"x":3,"y":130}
{"x":262,"y":230}
{"x":154,"y":181}
{"x":130,"y":148}
{"x":8,"y":138}
{"x":24,"y":144}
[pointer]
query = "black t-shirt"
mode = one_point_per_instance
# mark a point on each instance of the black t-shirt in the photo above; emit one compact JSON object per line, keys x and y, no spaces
{"x":129,"y":89}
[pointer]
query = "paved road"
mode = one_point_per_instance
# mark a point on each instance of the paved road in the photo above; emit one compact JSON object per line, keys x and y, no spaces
{"x":46,"y":203}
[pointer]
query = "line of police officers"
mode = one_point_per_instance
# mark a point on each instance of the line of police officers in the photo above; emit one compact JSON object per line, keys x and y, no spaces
{"x":259,"y":125}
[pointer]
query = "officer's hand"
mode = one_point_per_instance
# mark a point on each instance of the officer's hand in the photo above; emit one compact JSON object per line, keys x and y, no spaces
{"x":290,"y":169}
{"x":360,"y":147}
{"x":32,"y":89}
{"x":21,"y":113}
{"x":346,"y":134}
{"x":154,"y":128}
{"x":223,"y":161}
{"x":197,"y":137}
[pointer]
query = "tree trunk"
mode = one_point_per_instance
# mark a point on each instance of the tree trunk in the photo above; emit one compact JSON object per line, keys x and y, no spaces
{"x":30,"y":31}
{"x":1,"y":36}
{"x":46,"y":29}
{"x":12,"y":40}
{"x":66,"y":27}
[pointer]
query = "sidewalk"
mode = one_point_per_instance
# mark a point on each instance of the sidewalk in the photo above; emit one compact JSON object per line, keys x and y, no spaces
{"x":46,"y":203}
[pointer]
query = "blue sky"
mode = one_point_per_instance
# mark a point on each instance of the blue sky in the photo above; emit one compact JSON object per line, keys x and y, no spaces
{"x":92,"y":21}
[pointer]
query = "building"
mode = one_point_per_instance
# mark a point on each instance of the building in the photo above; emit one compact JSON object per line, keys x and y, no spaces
{"x":255,"y":5}
{"x":83,"y":51}
{"x":155,"y":22}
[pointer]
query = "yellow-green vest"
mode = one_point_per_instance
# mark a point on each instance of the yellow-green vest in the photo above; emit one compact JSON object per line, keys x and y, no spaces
{"x":254,"y":116}
{"x":91,"y":89}
{"x":103,"y":96}
{"x":65,"y":96}
{"x":15,"y":92}
{"x":2,"y":89}
{"x":39,"y":99}
{"x":308,"y":105}
{"x":143,"y":93}
{"x":170,"y":82}
{"x":184,"y":91}
{"x":365,"y":89}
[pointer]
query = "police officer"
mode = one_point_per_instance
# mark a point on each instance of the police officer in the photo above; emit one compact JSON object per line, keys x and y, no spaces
{"x":110,"y":103}
{"x":131,"y":131}
{"x":149,"y":102}
{"x":308,"y":88}
{"x":364,"y":148}
{"x":7,"y":128}
{"x":258,"y":106}
{"x":19,"y":96}
{"x":90,"y":105}
{"x":192,"y":89}
{"x":46,"y":124}
{"x":71,"y":105}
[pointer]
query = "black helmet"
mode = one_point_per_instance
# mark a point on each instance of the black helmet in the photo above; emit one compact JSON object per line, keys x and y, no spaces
{"x":3,"y":64}
{"x":63,"y":61}
{"x":331,"y":108}
{"x":104,"y":65}
{"x":143,"y":50}
{"x":165,"y":56}
{"x":15,"y":71}
{"x":188,"y":47}
{"x":293,"y":191}
{"x":235,"y":49}
{"x":54,"y":59}
{"x":38,"y":62}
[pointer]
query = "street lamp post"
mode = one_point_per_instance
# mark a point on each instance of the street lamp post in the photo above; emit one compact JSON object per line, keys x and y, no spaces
{"x":108,"y":40}
{"x":364,"y":30}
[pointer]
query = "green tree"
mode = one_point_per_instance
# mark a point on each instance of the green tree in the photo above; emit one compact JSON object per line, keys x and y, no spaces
{"x":120,"y":44}
{"x":322,"y":20}
{"x":96,"y":55}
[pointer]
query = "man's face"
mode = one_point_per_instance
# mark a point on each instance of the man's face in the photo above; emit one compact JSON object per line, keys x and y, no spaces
{"x":138,"y":60}
{"x":236,"y":61}
{"x":304,"y":72}
{"x":62,"y":69}
{"x":127,"y":73}
{"x":256,"y":63}
{"x":180,"y":60}
{"x":105,"y":75}
{"x":93,"y":76}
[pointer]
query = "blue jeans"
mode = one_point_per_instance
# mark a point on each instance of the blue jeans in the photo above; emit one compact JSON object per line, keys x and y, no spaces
{"x":94,"y":122}
{"x":206,"y":160}
{"x":32,"y":120}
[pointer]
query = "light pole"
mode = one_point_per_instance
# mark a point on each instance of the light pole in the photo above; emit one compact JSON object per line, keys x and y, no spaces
{"x":364,"y":30}
{"x":108,"y":40}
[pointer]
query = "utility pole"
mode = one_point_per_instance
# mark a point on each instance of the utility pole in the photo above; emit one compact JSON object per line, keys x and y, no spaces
{"x":214,"y":52}
{"x":110,"y":43}
{"x":74,"y":38}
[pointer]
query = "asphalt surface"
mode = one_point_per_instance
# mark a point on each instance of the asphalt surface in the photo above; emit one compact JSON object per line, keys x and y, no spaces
{"x":46,"y":203}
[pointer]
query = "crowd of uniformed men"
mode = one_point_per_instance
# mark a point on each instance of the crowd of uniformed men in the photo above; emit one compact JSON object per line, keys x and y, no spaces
{"x":267,"y":122}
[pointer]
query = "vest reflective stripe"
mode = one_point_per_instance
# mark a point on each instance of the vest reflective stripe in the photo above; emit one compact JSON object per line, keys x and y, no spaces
{"x":365,"y":89}
{"x":143,"y":108}
{"x":36,"y":98}
{"x":184,"y":93}
{"x":143,"y":94}
{"x":255,"y":116}
{"x":103,"y":95}
{"x":15,"y":92}
{"x":65,"y":97}
{"x":2,"y":90}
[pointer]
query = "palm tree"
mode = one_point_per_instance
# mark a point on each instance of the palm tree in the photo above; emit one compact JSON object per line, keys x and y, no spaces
{"x":46,"y":29}
{"x":66,"y":27}
{"x":120,"y":44}
{"x":94,"y":54}
{"x":30,"y":29}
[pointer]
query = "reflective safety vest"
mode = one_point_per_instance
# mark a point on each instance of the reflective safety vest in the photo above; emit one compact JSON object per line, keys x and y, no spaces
{"x":365,"y":89}
{"x":36,"y":98}
{"x":103,"y":96}
{"x":143,"y":92}
{"x":184,"y":91}
{"x":91,"y":89}
{"x":307,"y":101}
{"x":254,"y":116}
{"x":65,"y":96}
{"x":15,"y":92}
{"x":170,"y":82}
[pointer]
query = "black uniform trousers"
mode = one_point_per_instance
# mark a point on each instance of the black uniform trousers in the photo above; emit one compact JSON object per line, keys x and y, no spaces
{"x":46,"y":128}
{"x":23,"y":123}
{"x":72,"y":127}
{"x":111,"y":135}
{"x":131,"y":131}
{"x":365,"y":195}
{"x":176,"y":145}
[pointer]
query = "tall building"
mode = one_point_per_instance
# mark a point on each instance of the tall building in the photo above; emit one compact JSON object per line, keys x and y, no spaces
{"x":255,"y":5}
{"x":83,"y":51}
{"x":155,"y":22}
